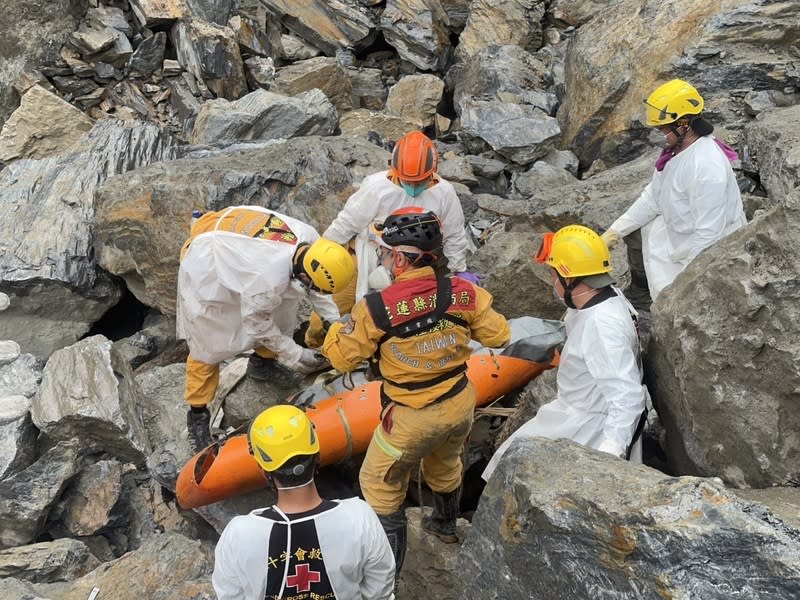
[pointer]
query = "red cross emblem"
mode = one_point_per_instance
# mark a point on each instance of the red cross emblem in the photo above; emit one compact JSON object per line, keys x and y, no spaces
{"x":303,"y":578}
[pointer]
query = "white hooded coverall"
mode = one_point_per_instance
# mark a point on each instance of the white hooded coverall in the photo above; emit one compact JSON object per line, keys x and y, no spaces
{"x":237,"y":292}
{"x":600,"y":393}
{"x":376,"y":199}
{"x":688,"y":206}
{"x":356,"y":553}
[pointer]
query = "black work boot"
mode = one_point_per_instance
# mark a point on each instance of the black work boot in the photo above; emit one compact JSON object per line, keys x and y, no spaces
{"x":269,"y":369}
{"x":198,"y":422}
{"x":442,"y":521}
{"x":396,"y":527}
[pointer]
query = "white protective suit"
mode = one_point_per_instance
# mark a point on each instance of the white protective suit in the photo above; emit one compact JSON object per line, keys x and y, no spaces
{"x":236,"y":293}
{"x":358,"y":558}
{"x":691,"y":204}
{"x":375,"y":200}
{"x":600,"y":393}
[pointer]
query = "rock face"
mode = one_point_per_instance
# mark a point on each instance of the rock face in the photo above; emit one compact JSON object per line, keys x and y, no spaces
{"x":561,"y":521}
{"x":31,"y":34}
{"x":772,"y":145}
{"x":726,"y":356}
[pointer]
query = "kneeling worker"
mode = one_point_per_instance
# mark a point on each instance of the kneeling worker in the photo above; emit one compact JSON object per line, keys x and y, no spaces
{"x":418,"y":330}
{"x":303,"y":546}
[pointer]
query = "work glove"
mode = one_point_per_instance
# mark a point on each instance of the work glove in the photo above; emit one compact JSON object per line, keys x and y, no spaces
{"x":475,"y":278}
{"x":611,"y":447}
{"x":611,"y":238}
{"x":310,"y":362}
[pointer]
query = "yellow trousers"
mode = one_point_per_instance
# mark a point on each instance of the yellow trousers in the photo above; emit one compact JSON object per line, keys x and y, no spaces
{"x":202,"y":379}
{"x":344,"y":299}
{"x":434,"y":435}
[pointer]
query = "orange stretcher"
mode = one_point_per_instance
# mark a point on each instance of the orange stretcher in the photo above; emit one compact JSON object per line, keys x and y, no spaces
{"x":344,"y":423}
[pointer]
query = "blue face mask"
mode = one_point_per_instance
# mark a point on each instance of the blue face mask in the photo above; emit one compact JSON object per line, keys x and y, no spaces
{"x":412,"y":189}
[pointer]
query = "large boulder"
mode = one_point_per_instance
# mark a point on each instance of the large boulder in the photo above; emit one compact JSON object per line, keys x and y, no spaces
{"x":558,"y":520}
{"x":726,"y":356}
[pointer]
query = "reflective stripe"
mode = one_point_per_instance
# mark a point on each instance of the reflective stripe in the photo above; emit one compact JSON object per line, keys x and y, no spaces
{"x":384,"y":445}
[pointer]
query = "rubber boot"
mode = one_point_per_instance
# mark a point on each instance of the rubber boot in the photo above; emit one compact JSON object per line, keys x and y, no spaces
{"x":396,"y":527}
{"x":269,"y":369}
{"x":442,"y":522}
{"x":198,"y":422}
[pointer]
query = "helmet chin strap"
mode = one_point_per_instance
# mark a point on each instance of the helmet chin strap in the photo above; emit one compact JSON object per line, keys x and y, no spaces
{"x":568,"y":287}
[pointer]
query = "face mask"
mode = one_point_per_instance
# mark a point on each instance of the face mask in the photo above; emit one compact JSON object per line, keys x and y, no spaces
{"x":414,"y":190}
{"x":379,"y":279}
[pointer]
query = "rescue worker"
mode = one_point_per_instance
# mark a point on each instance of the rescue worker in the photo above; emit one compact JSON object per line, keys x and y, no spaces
{"x":410,"y":181}
{"x":692,"y":200}
{"x":243,"y":272}
{"x":600,"y":399}
{"x":303,"y":546}
{"x":418,"y":331}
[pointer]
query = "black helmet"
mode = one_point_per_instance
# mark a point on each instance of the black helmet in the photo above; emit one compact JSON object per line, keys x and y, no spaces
{"x":413,"y":227}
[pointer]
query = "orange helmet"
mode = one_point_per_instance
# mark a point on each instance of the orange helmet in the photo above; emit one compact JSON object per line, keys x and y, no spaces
{"x":414,"y":157}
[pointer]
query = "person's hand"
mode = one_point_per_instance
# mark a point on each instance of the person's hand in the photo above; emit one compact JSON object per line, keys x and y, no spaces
{"x":475,"y":278}
{"x":610,"y":447}
{"x":611,"y":238}
{"x":311,"y":362}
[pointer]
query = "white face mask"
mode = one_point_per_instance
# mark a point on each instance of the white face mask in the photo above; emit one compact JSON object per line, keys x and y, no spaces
{"x":379,"y":279}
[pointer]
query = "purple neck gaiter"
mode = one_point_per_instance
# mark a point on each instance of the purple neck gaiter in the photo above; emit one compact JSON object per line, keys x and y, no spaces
{"x":667,"y":154}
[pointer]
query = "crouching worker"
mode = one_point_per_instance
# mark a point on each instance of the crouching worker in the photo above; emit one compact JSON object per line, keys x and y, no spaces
{"x":243,"y":272}
{"x":600,"y":399}
{"x":303,"y":546}
{"x":418,"y":330}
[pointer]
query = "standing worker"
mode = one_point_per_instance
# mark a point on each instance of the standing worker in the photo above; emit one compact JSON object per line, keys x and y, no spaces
{"x":418,"y":330}
{"x":693,"y":199}
{"x":410,"y":181}
{"x":303,"y":546}
{"x":243,"y":272}
{"x":600,"y":399}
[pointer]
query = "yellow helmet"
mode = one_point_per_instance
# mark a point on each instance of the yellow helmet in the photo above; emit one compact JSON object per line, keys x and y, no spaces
{"x":671,"y":101}
{"x":279,"y":433}
{"x":329,"y":265}
{"x":575,"y":251}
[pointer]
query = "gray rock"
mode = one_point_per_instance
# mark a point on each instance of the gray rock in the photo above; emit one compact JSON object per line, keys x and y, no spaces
{"x":148,"y":57}
{"x":88,"y":394}
{"x":295,"y":48}
{"x":560,"y":521}
{"x":168,"y":565}
{"x":417,"y":29}
{"x":321,"y":73}
{"x":521,"y":133}
{"x":16,"y":588}
{"x":46,"y":562}
{"x":507,"y":72}
{"x":540,"y":180}
{"x":772,"y":149}
{"x":416,"y":98}
{"x":329,"y":27}
{"x":17,"y":435}
{"x":369,"y":88}
{"x":263,"y":115}
{"x":211,"y":53}
{"x":93,"y":493}
{"x":44,"y":125}
{"x":27,"y":496}
{"x":359,"y":123}
{"x":499,"y":22}
{"x":725,"y":355}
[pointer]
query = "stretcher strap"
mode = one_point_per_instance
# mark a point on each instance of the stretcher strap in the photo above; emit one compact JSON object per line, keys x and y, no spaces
{"x":347,"y":430}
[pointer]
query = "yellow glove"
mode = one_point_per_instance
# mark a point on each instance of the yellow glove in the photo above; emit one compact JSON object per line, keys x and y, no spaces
{"x":611,"y":238}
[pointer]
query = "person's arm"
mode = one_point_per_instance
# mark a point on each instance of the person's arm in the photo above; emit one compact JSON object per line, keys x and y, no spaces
{"x":324,"y":306}
{"x":455,"y":237}
{"x":226,"y":578}
{"x":640,"y":213}
{"x":377,"y":580}
{"x":488,"y":326}
{"x":257,"y":321}
{"x":610,"y":349}
{"x":356,"y":215}
{"x":352,"y":341}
